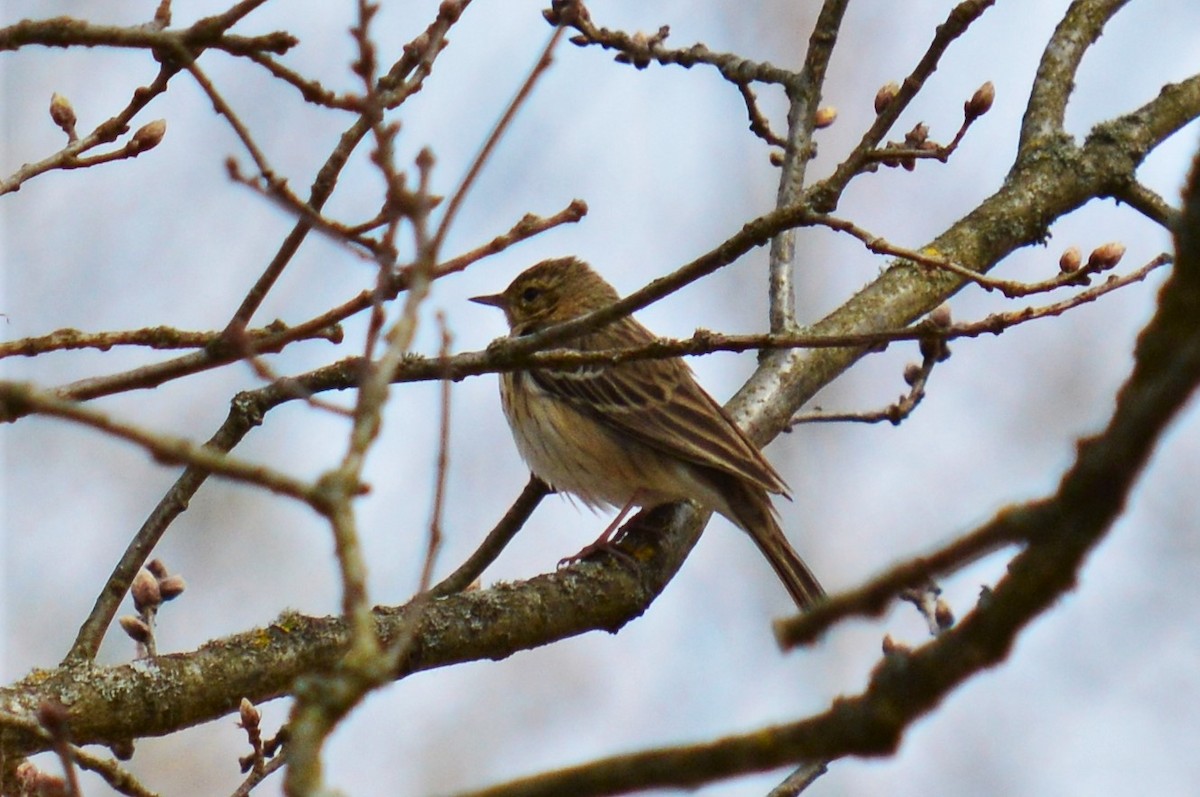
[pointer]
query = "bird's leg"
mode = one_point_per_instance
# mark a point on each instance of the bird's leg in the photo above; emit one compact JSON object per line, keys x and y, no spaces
{"x":605,"y":541}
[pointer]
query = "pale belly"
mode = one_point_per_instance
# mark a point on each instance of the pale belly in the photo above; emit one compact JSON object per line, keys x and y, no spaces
{"x":576,"y":454}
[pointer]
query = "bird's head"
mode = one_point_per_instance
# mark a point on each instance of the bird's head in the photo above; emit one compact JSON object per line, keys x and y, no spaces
{"x":549,"y":293}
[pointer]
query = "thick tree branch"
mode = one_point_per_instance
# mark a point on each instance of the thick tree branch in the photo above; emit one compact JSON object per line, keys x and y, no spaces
{"x":1061,"y":531}
{"x":1078,"y":30}
{"x":180,"y":690}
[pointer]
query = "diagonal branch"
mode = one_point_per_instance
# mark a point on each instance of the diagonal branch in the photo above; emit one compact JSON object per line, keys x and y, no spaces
{"x":804,"y":96}
{"x":824,"y":195}
{"x":1079,"y":29}
{"x":1061,"y":531}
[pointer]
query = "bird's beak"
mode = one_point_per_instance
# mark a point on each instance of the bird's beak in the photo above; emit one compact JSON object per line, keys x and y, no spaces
{"x":492,"y":300}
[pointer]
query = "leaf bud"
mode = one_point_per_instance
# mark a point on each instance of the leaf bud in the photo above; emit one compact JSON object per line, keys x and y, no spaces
{"x":980,"y":102}
{"x":62,"y":113}
{"x":912,"y":372}
{"x":1071,"y":260}
{"x":171,"y":587}
{"x":145,"y":591}
{"x":1106,"y":256}
{"x":883,"y":98}
{"x":148,"y":136}
{"x":135,"y":628}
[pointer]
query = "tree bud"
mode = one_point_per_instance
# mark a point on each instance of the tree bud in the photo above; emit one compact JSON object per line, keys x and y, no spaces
{"x":1071,"y":260}
{"x":171,"y":587}
{"x":885,"y":95}
{"x":62,"y":113}
{"x":912,"y":372}
{"x":135,"y":628}
{"x":1106,"y":256}
{"x":943,"y":615}
{"x":940,"y":316}
{"x":980,"y":102}
{"x":249,"y":714}
{"x":148,"y":136}
{"x":145,"y":591}
{"x":917,"y":136}
{"x":826,"y":115}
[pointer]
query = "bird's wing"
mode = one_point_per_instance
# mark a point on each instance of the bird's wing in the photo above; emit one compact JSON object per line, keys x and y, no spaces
{"x":659,"y":403}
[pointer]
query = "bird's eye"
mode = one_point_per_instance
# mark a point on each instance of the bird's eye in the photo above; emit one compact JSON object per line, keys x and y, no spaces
{"x":530,"y":293}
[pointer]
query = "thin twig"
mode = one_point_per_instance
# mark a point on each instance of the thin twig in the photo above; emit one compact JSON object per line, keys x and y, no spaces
{"x":824,"y":196}
{"x":224,"y":109}
{"x":1147,"y":202}
{"x":228,"y":348}
{"x":1010,"y":288}
{"x":496,"y":540}
{"x":803,"y":777}
{"x":639,"y":50}
{"x":456,"y":199}
{"x":759,"y":125}
{"x":105,"y":132}
{"x":529,"y":226}
{"x":442,"y":467}
{"x":120,"y":779}
{"x":210,"y":32}
{"x":917,"y":378}
{"x":162,"y":338}
{"x":257,"y":776}
{"x":22,"y":399}
{"x":501,"y":357}
{"x":311,"y":90}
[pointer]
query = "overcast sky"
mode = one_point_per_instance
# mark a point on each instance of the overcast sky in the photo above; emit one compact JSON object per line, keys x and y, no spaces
{"x":1099,"y":696}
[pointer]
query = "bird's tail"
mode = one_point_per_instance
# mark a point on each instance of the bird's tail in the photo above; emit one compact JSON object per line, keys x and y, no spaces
{"x":751,"y":510}
{"x":797,"y":578}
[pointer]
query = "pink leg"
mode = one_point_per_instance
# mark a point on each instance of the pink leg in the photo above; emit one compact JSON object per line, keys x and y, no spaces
{"x":605,"y":541}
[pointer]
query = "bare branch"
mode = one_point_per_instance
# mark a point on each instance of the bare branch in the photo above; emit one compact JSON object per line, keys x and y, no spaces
{"x":824,"y":196}
{"x":1149,"y":204}
{"x":496,"y":540}
{"x":443,"y":463}
{"x":539,"y":68}
{"x":1078,"y":30}
{"x":150,"y":337}
{"x":917,"y":377}
{"x":18,"y":399}
{"x":208,"y":33}
{"x":639,"y":49}
{"x":406,"y":77}
{"x":69,"y":156}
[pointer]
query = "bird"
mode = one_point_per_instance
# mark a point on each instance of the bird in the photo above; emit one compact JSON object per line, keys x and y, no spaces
{"x":638,"y":433}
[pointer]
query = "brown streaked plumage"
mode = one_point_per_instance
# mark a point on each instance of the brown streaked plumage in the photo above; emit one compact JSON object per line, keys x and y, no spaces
{"x":642,"y":433}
